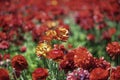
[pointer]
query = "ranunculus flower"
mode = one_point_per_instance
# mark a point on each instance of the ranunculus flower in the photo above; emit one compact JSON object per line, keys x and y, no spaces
{"x":67,"y":64}
{"x":102,"y":63}
{"x":43,"y":48}
{"x":3,"y":36}
{"x":62,"y":33}
{"x":99,"y":74}
{"x":40,"y":74}
{"x":4,"y":75}
{"x":107,"y":35}
{"x":90,"y":37}
{"x":23,"y":49}
{"x":4,"y":45}
{"x":51,"y":34}
{"x":19,"y":63}
{"x":6,"y":56}
{"x":83,"y":58}
{"x":112,"y":31}
{"x":115,"y":75}
{"x":55,"y":54}
{"x":113,"y":49}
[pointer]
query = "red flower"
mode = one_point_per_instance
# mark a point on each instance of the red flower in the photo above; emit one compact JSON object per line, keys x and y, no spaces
{"x":102,"y":63}
{"x":55,"y":54}
{"x":4,"y":45}
{"x":99,"y":74}
{"x":102,"y":25}
{"x":4,"y":74}
{"x":115,"y":74}
{"x":113,"y":49}
{"x":6,"y":56}
{"x":55,"y":10}
{"x":83,"y":58}
{"x":109,"y":33}
{"x":3,"y":36}
{"x":37,"y":32}
{"x":67,"y":64}
{"x":98,"y":16}
{"x":40,"y":74}
{"x":19,"y":63}
{"x":23,"y":49}
{"x":90,"y":37}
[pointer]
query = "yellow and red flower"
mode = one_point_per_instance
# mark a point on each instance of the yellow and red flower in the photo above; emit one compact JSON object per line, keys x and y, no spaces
{"x":62,"y":33}
{"x":43,"y":48}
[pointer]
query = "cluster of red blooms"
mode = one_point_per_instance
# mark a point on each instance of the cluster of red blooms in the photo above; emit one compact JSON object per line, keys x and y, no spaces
{"x":97,"y":69}
{"x":80,"y":57}
{"x":105,"y":35}
{"x":43,"y":19}
{"x":18,"y":63}
{"x":94,"y":12}
{"x":18,"y":17}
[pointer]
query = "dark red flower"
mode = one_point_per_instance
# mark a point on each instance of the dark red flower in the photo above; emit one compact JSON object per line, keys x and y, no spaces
{"x":55,"y":54}
{"x":115,"y":75}
{"x":67,"y":64}
{"x":4,"y":45}
{"x":113,"y":49}
{"x":40,"y":74}
{"x":102,"y":25}
{"x":6,"y":56}
{"x":107,"y":35}
{"x":4,"y":75}
{"x":90,"y":37}
{"x":112,"y":31}
{"x":102,"y":63}
{"x":23,"y":49}
{"x":98,"y":16}
{"x":3,"y":36}
{"x":37,"y":32}
{"x":19,"y":63}
{"x":99,"y":74}
{"x":28,"y":27}
{"x":55,"y":10}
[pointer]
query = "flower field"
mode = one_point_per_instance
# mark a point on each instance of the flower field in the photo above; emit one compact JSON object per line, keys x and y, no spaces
{"x":59,"y":39}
